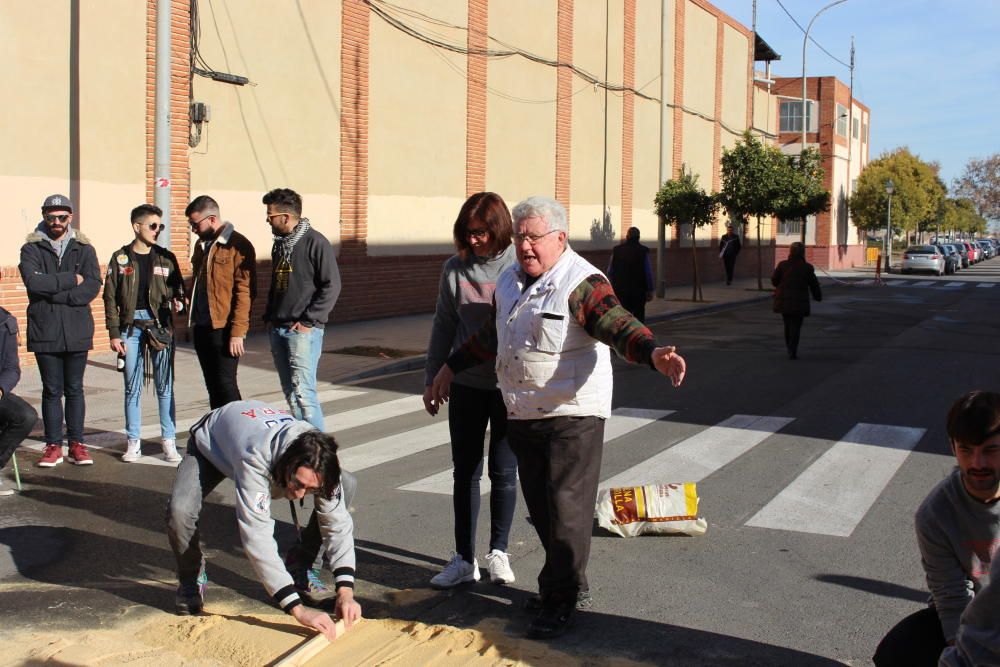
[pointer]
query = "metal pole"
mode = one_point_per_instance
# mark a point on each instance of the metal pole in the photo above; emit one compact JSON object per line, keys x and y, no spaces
{"x":161,"y":147}
{"x":805,"y":40}
{"x":888,"y":236}
{"x":665,"y":157}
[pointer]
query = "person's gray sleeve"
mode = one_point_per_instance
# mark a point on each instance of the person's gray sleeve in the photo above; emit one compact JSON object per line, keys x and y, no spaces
{"x":253,"y":515}
{"x":337,"y":528}
{"x":326,"y":278}
{"x":948,"y":583}
{"x":978,"y":641}
{"x":444,"y":327}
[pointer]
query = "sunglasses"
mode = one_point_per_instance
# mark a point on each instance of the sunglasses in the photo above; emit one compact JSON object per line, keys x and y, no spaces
{"x":52,"y":218}
{"x":153,"y":226}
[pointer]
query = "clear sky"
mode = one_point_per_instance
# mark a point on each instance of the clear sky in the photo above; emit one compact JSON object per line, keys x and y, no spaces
{"x":929,"y":70}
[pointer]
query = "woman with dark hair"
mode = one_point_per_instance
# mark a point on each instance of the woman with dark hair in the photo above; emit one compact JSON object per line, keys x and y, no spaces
{"x":483,"y":238}
{"x":794,"y":279}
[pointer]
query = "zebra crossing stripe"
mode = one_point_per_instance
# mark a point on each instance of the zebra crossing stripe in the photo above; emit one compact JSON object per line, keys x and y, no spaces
{"x":697,"y":457}
{"x":623,"y":421}
{"x":866,"y":281}
{"x":833,"y":494}
{"x":924,"y":283}
{"x":383,"y":450}
{"x":985,"y":285}
{"x":374,"y":413}
{"x":953,"y":285}
{"x":897,"y":283}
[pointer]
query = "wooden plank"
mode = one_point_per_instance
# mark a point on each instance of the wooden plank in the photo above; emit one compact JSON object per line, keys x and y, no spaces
{"x":309,"y":649}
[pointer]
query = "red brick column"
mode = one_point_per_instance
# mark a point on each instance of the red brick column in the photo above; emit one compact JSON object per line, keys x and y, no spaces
{"x":678,"y":145}
{"x":354,"y":129}
{"x":564,"y":100}
{"x":628,"y":116}
{"x":475,"y":99}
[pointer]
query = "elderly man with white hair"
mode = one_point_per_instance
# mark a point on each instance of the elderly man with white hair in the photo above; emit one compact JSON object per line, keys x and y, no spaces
{"x":556,"y":315}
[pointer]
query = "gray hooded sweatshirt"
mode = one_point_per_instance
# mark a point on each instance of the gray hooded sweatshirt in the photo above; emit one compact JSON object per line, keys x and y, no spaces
{"x":244,"y":439}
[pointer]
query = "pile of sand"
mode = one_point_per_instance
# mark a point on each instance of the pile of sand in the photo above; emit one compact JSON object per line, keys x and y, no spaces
{"x":218,"y":638}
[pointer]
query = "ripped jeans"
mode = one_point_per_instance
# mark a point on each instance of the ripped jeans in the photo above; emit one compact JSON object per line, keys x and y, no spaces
{"x":296,"y":356}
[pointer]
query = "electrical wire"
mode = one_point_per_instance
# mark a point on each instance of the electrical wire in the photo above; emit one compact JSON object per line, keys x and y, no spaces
{"x":803,"y":30}
{"x":198,"y":64}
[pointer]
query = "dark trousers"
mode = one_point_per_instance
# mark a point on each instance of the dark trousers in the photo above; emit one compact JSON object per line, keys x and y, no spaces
{"x":62,"y":375}
{"x":559,"y":462}
{"x":217,"y":365}
{"x":470,"y":410}
{"x":729,"y":261}
{"x":308,"y":549}
{"x":793,"y":328}
{"x":635,"y":304}
{"x":916,"y":641}
{"x":17,"y":418}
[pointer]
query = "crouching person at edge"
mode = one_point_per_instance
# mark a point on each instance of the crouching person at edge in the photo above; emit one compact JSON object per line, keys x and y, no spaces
{"x":555,"y":316}
{"x":143,"y":282}
{"x":268,"y":454}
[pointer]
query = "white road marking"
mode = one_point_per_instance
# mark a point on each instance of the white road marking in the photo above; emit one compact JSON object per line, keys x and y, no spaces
{"x":394,"y":447}
{"x":924,"y":283}
{"x":985,"y":285}
{"x":697,"y":457}
{"x":374,"y":413}
{"x":953,"y":285}
{"x":866,"y":281}
{"x":833,"y":494}
{"x":622,"y":422}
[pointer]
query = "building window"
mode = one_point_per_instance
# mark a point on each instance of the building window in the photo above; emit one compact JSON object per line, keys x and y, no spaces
{"x":856,"y":129}
{"x":841,"y":120}
{"x":790,"y":116}
{"x":789,"y":226}
{"x":864,"y":133}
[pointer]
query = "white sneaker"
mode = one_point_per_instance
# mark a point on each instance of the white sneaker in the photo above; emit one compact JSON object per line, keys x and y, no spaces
{"x":498,"y":567}
{"x":133,"y":451}
{"x":5,"y":490}
{"x":457,"y":570}
{"x":170,"y":451}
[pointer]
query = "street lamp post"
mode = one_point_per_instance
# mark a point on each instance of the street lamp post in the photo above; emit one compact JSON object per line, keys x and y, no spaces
{"x":805,"y":40}
{"x":890,"y":187}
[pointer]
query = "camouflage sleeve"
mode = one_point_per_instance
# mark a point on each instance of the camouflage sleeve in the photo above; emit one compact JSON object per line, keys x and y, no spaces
{"x":596,"y":308}
{"x":480,"y":348}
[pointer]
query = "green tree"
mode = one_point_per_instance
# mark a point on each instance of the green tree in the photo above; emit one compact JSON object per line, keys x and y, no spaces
{"x":754,"y":179}
{"x":980,"y":182}
{"x":958,"y":215}
{"x":917,"y":193}
{"x":681,"y":201}
{"x":803,"y":194}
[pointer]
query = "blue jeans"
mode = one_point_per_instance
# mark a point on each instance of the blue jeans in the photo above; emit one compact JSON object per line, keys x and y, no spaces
{"x":296,"y":357}
{"x":163,"y":378}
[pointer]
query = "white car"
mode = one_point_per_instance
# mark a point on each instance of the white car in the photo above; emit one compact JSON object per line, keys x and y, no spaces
{"x":923,"y":258}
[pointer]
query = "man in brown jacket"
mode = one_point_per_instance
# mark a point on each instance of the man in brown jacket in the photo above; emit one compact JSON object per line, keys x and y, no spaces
{"x":224,"y":284}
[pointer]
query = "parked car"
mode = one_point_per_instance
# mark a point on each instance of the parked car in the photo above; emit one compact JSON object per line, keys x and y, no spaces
{"x":952,"y":249}
{"x":971,"y":251}
{"x":988,"y":250}
{"x":923,"y":258}
{"x":952,"y":262}
{"x":963,"y":253}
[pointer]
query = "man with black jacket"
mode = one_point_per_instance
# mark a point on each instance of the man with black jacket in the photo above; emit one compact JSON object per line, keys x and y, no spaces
{"x":17,"y":417}
{"x":60,"y":271}
{"x":631,"y":274}
{"x":305,"y":284}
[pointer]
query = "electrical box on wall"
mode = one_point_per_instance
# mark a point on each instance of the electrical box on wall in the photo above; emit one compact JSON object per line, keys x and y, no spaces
{"x":200,"y":112}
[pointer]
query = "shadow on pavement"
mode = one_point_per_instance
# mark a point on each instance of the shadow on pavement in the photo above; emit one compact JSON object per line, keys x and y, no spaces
{"x":882,"y":588}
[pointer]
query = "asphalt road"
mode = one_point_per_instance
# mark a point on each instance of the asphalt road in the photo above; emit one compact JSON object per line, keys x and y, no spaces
{"x":808,"y":471}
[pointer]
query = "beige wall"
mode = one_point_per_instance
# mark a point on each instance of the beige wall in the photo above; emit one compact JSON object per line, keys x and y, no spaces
{"x":38,"y":129}
{"x":765,"y":111}
{"x":699,"y":60}
{"x":282,"y":131}
{"x":735,"y":70}
{"x":521,"y":102}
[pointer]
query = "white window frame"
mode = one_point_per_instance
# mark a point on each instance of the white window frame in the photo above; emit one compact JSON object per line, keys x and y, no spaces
{"x":792,"y":122}
{"x":841,"y":125}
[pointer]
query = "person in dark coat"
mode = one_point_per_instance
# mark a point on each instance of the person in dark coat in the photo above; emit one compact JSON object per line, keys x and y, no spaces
{"x":631,"y":274}
{"x":60,"y":271}
{"x":17,"y":417}
{"x":794,"y":279}
{"x":729,"y":248}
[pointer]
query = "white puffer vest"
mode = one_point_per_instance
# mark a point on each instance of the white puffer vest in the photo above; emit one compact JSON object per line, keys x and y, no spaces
{"x":547,"y":365}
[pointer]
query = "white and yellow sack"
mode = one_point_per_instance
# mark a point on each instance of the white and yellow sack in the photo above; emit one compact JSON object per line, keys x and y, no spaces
{"x":653,"y":509}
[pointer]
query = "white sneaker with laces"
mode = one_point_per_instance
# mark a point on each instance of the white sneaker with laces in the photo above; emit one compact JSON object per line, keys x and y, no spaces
{"x":457,"y":571}
{"x":498,"y":566}
{"x":170,"y":451}
{"x":133,"y":451}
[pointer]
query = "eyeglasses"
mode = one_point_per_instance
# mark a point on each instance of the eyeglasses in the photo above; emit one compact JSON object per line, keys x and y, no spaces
{"x":531,"y":238}
{"x":295,"y":485}
{"x":195,"y":223}
{"x":52,"y":218}
{"x":153,"y":226}
{"x":478,"y":234}
{"x":267,"y":219}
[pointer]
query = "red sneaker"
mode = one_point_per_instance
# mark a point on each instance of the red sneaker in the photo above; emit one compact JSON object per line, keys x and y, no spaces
{"x":78,"y":454}
{"x":52,"y":455}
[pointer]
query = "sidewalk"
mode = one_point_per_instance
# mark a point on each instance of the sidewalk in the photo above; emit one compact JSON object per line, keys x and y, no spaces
{"x":258,"y":379}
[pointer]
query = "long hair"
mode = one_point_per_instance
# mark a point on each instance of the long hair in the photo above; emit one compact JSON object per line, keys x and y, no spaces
{"x":488,"y":208}
{"x":311,"y":449}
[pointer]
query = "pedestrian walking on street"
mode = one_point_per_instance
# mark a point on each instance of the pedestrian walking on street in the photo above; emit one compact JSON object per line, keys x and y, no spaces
{"x":268,"y":454}
{"x":555,"y":316}
{"x":17,"y":417}
{"x":795,"y":279}
{"x":142,"y":288}
{"x":305,"y":284}
{"x":729,"y":248}
{"x":468,"y":280}
{"x":631,"y":274}
{"x":224,"y":285}
{"x":61,"y":275}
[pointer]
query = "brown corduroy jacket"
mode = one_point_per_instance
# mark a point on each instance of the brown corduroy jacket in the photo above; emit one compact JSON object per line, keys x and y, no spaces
{"x":232,"y":280}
